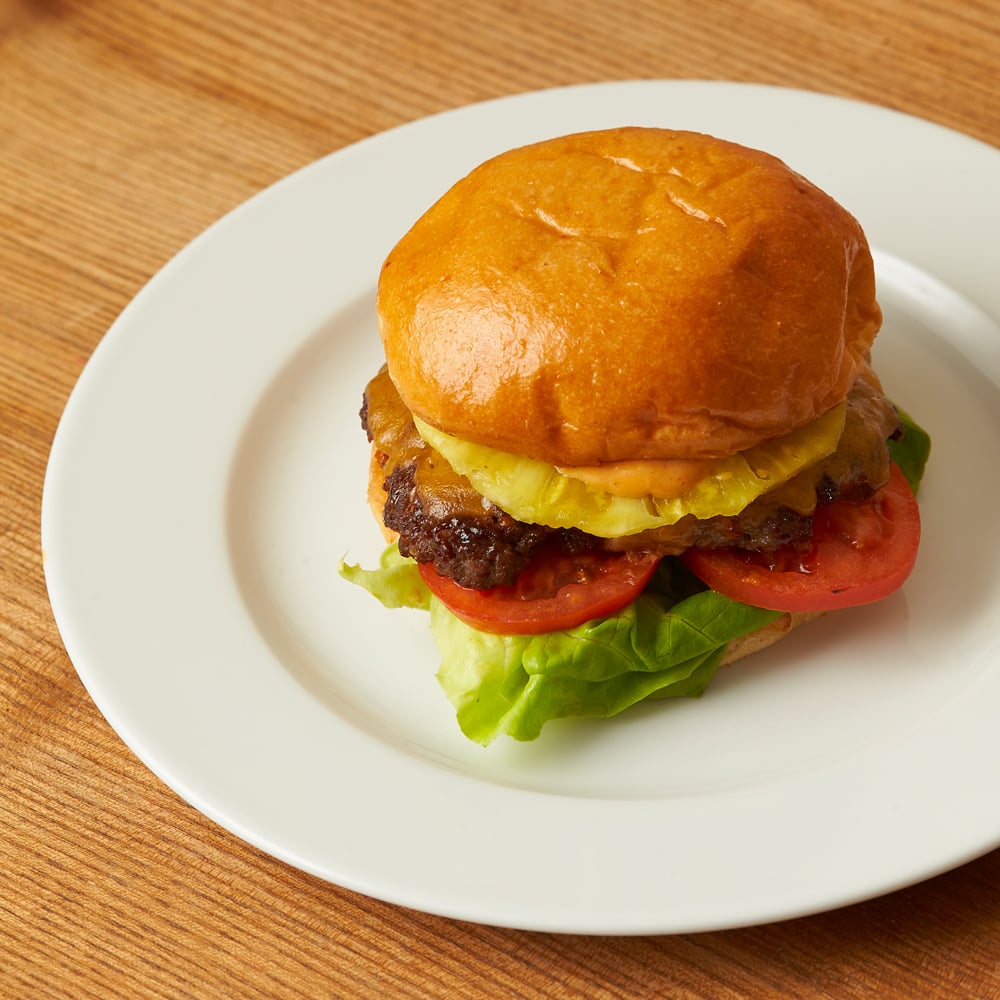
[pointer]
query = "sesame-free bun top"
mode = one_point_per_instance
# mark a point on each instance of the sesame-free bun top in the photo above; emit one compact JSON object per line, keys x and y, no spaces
{"x":631,"y":293}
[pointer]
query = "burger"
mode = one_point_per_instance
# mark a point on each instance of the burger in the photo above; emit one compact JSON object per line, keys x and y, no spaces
{"x":628,"y":428}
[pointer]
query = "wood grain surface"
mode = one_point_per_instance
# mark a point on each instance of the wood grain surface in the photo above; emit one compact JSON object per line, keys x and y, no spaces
{"x":126,"y":128}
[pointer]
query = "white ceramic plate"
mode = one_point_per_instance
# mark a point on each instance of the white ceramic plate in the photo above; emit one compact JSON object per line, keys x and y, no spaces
{"x":210,"y":471}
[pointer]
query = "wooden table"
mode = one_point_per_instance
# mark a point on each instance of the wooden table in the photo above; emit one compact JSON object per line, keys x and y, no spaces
{"x":125,"y":129}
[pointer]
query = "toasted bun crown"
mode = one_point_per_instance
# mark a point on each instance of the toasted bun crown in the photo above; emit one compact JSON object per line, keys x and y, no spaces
{"x":624,"y":294}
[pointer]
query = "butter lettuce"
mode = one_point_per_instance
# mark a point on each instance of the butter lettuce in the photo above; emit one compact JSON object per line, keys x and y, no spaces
{"x":667,"y":643}
{"x":912,"y":450}
{"x":396,"y":581}
{"x":538,"y":493}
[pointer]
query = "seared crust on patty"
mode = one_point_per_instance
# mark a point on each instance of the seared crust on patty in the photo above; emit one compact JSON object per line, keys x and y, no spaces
{"x":484,"y":551}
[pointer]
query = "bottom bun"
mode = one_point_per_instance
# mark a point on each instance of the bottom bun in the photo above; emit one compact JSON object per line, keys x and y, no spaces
{"x":754,"y":642}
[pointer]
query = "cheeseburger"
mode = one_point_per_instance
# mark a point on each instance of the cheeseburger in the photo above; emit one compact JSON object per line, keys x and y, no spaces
{"x":628,"y":428}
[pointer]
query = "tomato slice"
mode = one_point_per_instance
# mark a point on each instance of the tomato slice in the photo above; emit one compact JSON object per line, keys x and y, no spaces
{"x":558,"y":590}
{"x":860,"y":553}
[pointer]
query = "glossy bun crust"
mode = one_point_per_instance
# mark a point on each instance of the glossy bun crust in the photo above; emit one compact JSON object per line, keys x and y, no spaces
{"x":624,"y":294}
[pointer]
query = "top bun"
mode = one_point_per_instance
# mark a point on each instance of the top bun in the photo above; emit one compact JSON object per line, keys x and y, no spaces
{"x":632,"y":293}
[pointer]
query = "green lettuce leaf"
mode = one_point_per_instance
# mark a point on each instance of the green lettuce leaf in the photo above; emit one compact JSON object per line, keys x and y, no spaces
{"x":912,"y":450}
{"x":396,"y":582}
{"x":655,"y":648}
{"x":667,"y":643}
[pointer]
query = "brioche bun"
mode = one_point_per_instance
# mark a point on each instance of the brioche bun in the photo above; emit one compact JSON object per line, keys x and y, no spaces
{"x":632,"y":293}
{"x":762,"y":638}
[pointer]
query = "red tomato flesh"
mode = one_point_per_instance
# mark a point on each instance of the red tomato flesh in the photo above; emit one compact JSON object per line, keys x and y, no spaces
{"x":558,"y":590}
{"x":860,"y":553}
